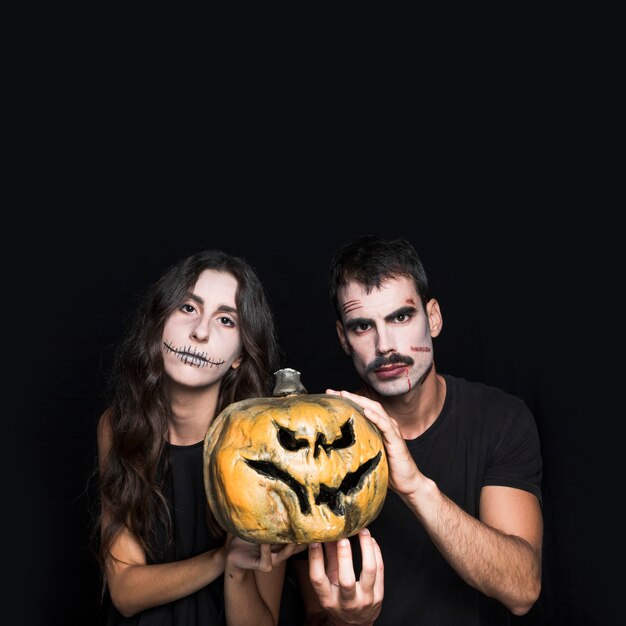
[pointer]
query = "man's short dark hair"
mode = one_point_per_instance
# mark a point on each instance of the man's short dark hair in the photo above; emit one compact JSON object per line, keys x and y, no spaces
{"x":372,"y":259}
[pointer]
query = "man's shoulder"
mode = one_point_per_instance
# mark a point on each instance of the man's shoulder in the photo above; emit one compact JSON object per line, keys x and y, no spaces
{"x":481,"y":393}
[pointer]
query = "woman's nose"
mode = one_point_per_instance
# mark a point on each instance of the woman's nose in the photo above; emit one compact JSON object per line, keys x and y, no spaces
{"x":200,"y":332}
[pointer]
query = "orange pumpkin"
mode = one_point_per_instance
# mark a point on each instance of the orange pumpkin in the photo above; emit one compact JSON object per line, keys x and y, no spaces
{"x":297,"y":468}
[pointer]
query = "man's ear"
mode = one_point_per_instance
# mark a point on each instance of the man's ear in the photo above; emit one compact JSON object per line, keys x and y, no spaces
{"x":342,"y":337}
{"x":435,"y":320}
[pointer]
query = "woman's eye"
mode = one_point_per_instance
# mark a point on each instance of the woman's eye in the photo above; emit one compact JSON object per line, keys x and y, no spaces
{"x":187,"y":308}
{"x":226,"y":321}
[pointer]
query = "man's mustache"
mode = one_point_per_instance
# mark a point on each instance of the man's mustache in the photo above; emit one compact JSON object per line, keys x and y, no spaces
{"x":394,"y":359}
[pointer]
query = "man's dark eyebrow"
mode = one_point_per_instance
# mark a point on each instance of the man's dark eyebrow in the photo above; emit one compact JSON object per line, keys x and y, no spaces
{"x":403,"y":310}
{"x":357,"y":321}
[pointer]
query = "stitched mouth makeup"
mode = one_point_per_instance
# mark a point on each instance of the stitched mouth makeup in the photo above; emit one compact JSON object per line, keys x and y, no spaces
{"x":191,"y":356}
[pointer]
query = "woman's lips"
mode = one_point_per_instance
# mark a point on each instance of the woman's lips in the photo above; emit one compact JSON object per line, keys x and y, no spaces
{"x":391,"y":372}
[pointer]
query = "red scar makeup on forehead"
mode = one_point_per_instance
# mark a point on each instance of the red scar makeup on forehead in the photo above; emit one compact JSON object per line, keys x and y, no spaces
{"x":410,"y":301}
{"x":351,"y":305}
{"x":420,"y":348}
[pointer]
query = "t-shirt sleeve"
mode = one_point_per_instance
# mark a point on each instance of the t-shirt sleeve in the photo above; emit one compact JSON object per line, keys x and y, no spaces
{"x":516,"y":460}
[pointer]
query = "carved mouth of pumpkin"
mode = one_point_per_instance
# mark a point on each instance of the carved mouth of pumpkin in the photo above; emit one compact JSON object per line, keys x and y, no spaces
{"x":332,"y":497}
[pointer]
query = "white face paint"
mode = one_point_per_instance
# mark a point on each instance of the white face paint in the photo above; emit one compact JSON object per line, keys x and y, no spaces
{"x":201,"y":339}
{"x":388,"y":334}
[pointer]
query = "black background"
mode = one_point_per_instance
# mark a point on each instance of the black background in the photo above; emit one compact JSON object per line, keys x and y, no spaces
{"x":519,"y":312}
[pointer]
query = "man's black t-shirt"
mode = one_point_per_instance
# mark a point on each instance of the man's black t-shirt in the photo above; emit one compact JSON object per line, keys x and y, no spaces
{"x":483,"y":436}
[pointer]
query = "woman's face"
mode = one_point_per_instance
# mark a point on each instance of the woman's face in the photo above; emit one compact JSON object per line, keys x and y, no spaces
{"x":201,"y":339}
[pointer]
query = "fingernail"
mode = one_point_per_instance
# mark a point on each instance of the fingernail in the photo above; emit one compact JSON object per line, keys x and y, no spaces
{"x":315,"y":546}
{"x":342,"y":543}
{"x":365,"y":531}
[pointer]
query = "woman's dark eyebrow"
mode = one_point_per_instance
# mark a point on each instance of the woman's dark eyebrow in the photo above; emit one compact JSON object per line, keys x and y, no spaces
{"x":222,"y":307}
{"x":195,"y":298}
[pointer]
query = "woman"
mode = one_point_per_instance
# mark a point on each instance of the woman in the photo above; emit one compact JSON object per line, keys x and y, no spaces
{"x":202,"y":338}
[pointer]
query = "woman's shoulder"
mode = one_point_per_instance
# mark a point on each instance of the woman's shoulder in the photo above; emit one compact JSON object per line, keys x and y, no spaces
{"x":104,"y":424}
{"x":104,"y":432}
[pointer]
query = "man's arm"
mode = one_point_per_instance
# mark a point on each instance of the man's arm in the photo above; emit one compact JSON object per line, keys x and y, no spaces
{"x":498,"y":554}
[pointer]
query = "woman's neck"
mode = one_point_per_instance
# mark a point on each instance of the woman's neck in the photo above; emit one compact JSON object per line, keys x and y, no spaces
{"x":191,"y":413}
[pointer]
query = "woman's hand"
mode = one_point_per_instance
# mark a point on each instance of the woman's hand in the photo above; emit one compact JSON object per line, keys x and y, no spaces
{"x":262,"y":557}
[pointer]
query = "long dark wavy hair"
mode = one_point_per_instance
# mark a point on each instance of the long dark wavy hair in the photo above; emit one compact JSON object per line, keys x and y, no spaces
{"x":130,"y":478}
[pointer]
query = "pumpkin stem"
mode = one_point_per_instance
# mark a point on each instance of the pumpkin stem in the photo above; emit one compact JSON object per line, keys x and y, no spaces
{"x":288,"y":383}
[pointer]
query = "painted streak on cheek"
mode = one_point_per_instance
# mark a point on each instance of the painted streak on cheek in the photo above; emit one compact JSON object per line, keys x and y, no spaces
{"x":408,"y":380}
{"x":420,"y":348}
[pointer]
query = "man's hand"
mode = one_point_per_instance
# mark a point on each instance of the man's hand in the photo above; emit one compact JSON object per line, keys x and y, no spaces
{"x":345,"y":599}
{"x":404,"y":474}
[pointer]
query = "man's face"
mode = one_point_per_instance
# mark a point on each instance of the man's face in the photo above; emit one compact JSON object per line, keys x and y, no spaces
{"x":201,"y":338}
{"x":388,"y":334}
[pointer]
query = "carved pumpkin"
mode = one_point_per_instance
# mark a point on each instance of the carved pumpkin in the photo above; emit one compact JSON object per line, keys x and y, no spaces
{"x":297,"y":468}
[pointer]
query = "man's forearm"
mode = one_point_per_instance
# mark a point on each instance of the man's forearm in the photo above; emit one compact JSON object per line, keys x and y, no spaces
{"x":501,"y":566}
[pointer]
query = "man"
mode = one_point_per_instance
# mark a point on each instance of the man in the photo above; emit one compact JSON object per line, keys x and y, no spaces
{"x":461,"y":530}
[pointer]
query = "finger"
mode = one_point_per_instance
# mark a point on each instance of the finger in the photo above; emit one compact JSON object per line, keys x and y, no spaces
{"x":387,"y":425}
{"x":371,"y":408}
{"x":360,"y":400}
{"x":332,"y":392}
{"x":345,"y":568}
{"x":317,"y":571}
{"x":264,"y":562}
{"x":282,"y":552}
{"x":379,"y":584}
{"x":331,"y":562}
{"x":368,"y":561}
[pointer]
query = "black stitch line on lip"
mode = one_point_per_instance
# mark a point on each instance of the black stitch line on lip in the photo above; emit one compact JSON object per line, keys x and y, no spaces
{"x":190,"y":353}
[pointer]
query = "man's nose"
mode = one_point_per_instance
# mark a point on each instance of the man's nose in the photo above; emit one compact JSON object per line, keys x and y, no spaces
{"x":384,"y":341}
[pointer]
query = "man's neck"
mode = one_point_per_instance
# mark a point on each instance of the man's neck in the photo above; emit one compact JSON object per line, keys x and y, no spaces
{"x":416,"y":410}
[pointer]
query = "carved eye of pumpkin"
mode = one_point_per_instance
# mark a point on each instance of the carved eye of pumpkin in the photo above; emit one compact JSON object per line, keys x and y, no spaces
{"x":295,"y":468}
{"x":289,"y":441}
